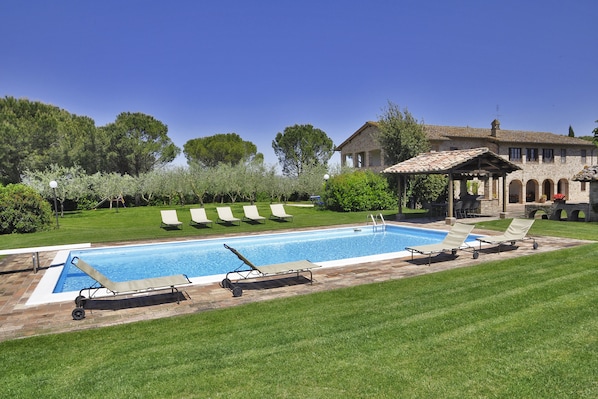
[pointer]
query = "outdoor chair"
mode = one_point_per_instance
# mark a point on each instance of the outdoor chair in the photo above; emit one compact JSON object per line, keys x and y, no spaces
{"x":170,"y":219}
{"x":251,"y":214}
{"x":279,"y":213}
{"x":199,"y":218}
{"x":517,"y":231}
{"x":225,"y":215}
{"x":454,"y":241}
{"x":121,"y":287}
{"x":248,"y":270}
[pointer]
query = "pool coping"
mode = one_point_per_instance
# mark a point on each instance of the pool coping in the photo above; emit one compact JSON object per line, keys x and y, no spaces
{"x":43,"y":292}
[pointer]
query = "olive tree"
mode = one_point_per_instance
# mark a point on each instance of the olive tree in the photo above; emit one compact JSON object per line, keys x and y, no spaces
{"x":402,"y":137}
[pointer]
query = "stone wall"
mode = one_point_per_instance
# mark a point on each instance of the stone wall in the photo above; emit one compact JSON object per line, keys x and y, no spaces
{"x":563,"y":210}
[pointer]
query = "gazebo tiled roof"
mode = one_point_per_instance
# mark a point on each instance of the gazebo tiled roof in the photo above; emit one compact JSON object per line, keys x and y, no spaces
{"x":589,"y":173}
{"x":470,"y":162}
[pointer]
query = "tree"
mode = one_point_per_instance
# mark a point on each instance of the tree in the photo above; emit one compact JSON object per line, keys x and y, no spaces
{"x":227,"y":148}
{"x":253,"y":179}
{"x":402,"y":137}
{"x":30,"y":136}
{"x":200,"y":180}
{"x":138,"y":144}
{"x":571,"y":132}
{"x":72,"y":183}
{"x":110,"y":187}
{"x":300,"y":146}
{"x":595,"y":132}
{"x":311,"y":181}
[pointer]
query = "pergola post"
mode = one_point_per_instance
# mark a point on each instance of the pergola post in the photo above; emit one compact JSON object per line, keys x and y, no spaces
{"x":400,"y":195}
{"x":450,"y":214}
{"x":503,"y":213}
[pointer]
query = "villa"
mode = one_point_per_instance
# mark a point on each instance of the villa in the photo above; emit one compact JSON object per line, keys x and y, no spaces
{"x":548,"y":161}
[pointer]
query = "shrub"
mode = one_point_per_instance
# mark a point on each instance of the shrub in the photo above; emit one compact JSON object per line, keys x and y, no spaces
{"x":23,"y":210}
{"x":358,"y":191}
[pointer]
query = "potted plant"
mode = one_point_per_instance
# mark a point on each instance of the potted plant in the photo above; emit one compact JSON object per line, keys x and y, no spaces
{"x":542,"y":199}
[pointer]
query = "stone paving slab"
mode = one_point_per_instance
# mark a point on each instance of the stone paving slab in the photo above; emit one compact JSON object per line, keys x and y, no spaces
{"x":17,"y":282}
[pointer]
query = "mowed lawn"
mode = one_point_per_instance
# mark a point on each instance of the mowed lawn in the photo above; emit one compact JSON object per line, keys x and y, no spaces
{"x":518,"y":328}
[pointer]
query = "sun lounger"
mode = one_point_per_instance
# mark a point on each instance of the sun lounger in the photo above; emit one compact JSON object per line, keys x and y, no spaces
{"x":454,"y":241}
{"x":517,"y":231}
{"x":225,"y":215}
{"x":121,"y":287}
{"x":248,"y":270}
{"x":252,"y":214}
{"x":279,"y":213}
{"x":199,"y":218}
{"x":170,"y":219}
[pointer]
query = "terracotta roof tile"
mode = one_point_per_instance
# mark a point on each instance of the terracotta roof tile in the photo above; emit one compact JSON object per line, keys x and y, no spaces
{"x":444,"y":133}
{"x":445,"y":161}
{"x":589,"y":173}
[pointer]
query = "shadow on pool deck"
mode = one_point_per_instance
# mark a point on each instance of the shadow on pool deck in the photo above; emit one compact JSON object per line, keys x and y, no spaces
{"x":18,"y":281}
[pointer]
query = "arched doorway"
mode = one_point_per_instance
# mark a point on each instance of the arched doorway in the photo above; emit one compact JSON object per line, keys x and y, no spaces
{"x":515,"y":192}
{"x":547,"y":188}
{"x":562,"y":186}
{"x":531,"y":191}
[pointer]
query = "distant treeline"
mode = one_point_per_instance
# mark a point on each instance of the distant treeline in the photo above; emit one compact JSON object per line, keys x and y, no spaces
{"x":34,"y":135}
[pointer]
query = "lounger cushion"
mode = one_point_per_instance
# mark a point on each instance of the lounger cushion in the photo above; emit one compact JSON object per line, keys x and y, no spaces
{"x":152,"y":283}
{"x":287,"y":267}
{"x":516,"y":231}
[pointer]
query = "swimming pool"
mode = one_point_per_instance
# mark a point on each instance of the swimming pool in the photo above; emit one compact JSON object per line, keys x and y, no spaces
{"x":207,"y":260}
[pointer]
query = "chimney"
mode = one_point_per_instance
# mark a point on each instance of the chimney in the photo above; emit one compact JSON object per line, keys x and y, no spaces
{"x":495,"y":127}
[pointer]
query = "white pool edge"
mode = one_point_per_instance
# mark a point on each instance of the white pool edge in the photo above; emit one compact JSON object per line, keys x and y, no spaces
{"x":42,"y":294}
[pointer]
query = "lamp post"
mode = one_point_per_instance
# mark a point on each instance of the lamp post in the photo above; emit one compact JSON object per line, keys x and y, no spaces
{"x":53,"y":186}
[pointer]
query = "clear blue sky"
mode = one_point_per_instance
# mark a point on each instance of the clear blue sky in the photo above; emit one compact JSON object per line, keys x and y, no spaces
{"x":256,"y":67}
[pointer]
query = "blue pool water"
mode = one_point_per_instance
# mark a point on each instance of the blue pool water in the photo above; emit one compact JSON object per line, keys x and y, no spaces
{"x":208,"y":257}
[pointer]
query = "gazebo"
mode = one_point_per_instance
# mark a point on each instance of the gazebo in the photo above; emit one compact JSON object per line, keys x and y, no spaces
{"x":459,"y":165}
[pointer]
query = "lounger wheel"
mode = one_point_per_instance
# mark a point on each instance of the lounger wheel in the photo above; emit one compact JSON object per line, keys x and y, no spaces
{"x":512,"y":243}
{"x":535,"y":246}
{"x":226,"y":283}
{"x":453,"y":252}
{"x":78,"y":314}
{"x":79,"y":301}
{"x":237,"y":291}
{"x":476,"y":254}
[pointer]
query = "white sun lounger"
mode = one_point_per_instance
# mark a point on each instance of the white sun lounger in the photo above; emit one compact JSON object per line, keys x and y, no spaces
{"x":199,"y":217}
{"x":252,"y":214}
{"x":517,"y":231}
{"x":279,"y":213}
{"x":170,"y":219}
{"x":454,"y":241}
{"x":226,"y":215}
{"x":121,"y":287}
{"x":253,"y":271}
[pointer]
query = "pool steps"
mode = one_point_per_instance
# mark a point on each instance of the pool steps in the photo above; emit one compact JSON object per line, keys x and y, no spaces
{"x":378,"y":221}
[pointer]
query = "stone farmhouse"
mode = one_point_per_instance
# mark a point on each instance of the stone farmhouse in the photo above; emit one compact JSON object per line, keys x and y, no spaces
{"x":548,"y":161}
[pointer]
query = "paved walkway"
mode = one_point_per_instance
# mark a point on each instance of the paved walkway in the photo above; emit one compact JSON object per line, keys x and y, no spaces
{"x":17,"y":282}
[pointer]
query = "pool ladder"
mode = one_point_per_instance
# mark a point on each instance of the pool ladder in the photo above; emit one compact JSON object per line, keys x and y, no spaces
{"x":378,"y":221}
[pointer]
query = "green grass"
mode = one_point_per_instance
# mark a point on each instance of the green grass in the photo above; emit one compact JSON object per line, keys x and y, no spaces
{"x":508,"y":329}
{"x":143,"y":223}
{"x":517,"y":328}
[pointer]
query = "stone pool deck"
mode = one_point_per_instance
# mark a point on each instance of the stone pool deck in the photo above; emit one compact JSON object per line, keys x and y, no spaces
{"x":17,"y":283}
